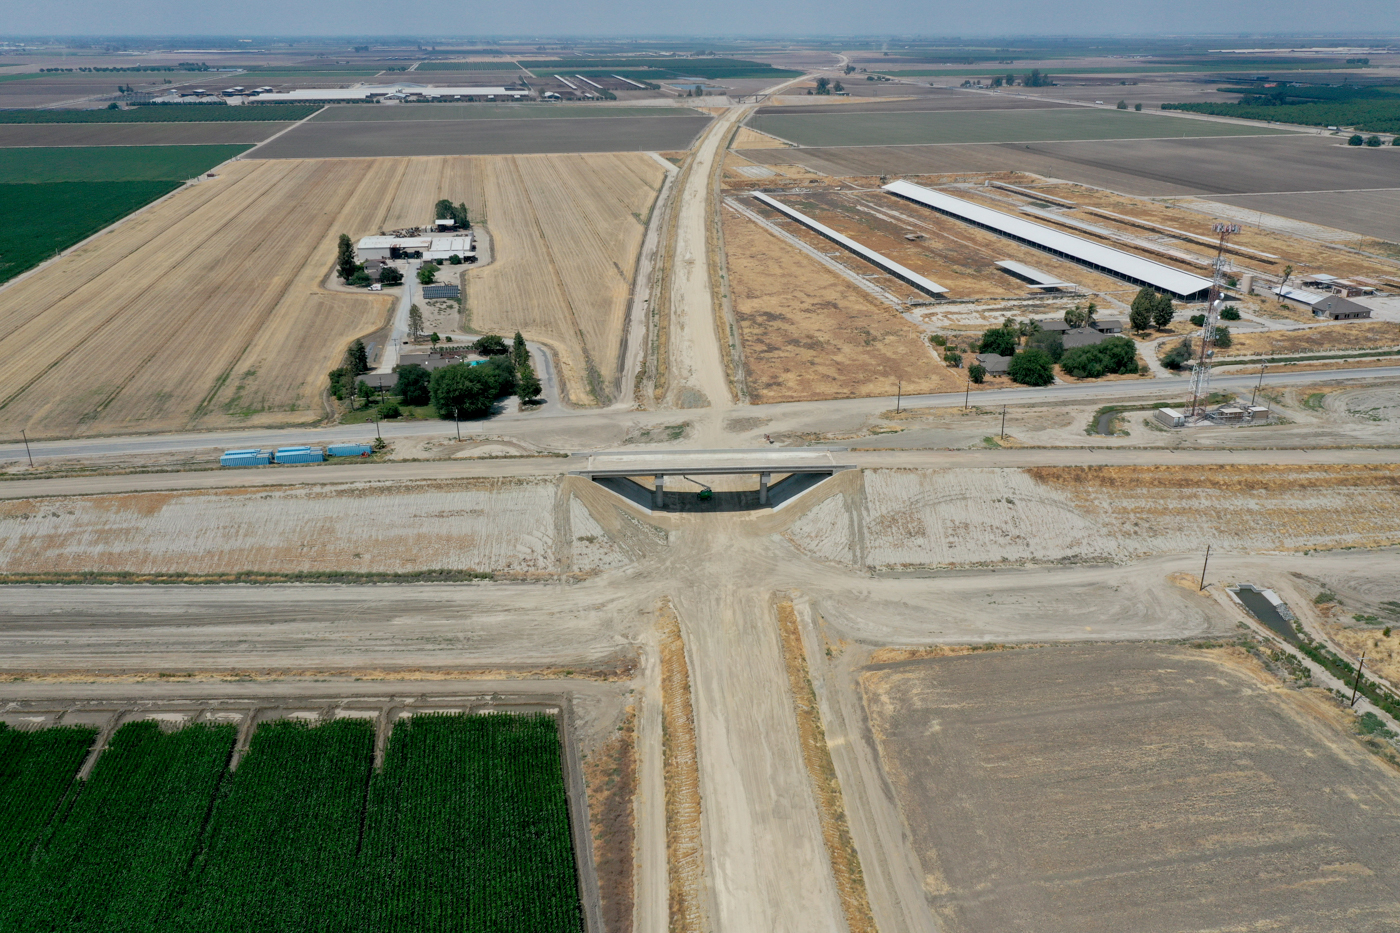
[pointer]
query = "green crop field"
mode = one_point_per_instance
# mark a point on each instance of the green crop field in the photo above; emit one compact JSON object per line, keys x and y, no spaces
{"x":469,"y":66}
{"x":36,"y":771}
{"x":166,"y":113}
{"x":37,"y":221}
{"x":37,"y":165}
{"x":926,"y":128}
{"x":464,"y":827}
{"x":1379,"y":115}
{"x":1127,"y":68}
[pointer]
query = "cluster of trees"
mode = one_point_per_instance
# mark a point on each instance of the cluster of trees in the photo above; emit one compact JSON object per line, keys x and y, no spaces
{"x":457,"y":213}
{"x":1123,"y":105}
{"x":355,"y":363}
{"x":1112,"y":355}
{"x":1372,"y":141}
{"x":427,"y":273}
{"x":1034,"y":79}
{"x":1150,"y":308}
{"x":1375,"y":115}
{"x":825,"y":86}
{"x":462,"y":391}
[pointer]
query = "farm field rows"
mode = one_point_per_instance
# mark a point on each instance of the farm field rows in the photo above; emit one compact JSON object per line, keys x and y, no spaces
{"x":385,"y":138}
{"x":929,"y":100}
{"x":566,"y":231}
{"x":942,"y":127}
{"x":1180,"y":764}
{"x":463,"y":827}
{"x":135,"y":134}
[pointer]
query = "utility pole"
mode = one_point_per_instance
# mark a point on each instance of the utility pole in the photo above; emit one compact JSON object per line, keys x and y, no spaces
{"x":1357,"y":685}
{"x":1257,"y":385}
{"x":899,"y":395}
{"x":1203,"y":570}
{"x":376,"y":427}
{"x":457,"y":417}
{"x":967,"y":391}
{"x":27,"y":451}
{"x":1003,"y":422}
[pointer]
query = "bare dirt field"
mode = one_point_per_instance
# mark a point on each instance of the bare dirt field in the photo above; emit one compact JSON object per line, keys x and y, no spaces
{"x":1075,"y":514}
{"x":45,"y":90}
{"x":798,"y":321}
{"x":514,"y":526}
{"x":1294,"y":162}
{"x":1371,"y":213}
{"x":14,"y":135}
{"x":1367,"y":335}
{"x":331,"y":140}
{"x":929,"y":101}
{"x":566,"y":232}
{"x":1132,"y":788}
{"x":160,"y":324}
{"x":358,"y":113}
{"x":867,"y":128}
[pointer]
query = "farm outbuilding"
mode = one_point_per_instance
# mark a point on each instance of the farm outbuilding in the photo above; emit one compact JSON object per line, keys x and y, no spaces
{"x":1337,"y":308}
{"x":1116,"y":262}
{"x":430,"y":248}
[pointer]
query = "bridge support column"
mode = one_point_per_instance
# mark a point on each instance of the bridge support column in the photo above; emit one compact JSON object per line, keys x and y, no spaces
{"x":763,"y":479}
{"x":658,"y":493}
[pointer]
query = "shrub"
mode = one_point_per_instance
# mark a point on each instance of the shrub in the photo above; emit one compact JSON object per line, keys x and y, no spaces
{"x":999,"y":340}
{"x":953,"y":358}
{"x":360,"y":279}
{"x":1395,"y":141}
{"x":977,"y":373}
{"x":1032,"y":368}
{"x":389,"y":408}
{"x":939,"y":340}
{"x":1355,"y":140}
{"x":1229,"y":314}
{"x":1373,"y":141}
{"x":1198,"y":320}
{"x":1222,"y":336}
{"x":390,"y":276}
{"x":427,"y":273}
{"x":1179,"y":355}
{"x":1048,"y":340}
{"x":1137,"y":107}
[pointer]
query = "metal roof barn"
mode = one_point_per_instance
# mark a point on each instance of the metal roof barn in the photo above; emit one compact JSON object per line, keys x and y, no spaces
{"x":1037,"y":278}
{"x":908,"y":276}
{"x":1126,"y":266}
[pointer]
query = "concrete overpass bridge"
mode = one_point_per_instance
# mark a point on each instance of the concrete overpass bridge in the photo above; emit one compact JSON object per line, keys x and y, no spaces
{"x":686,"y":480}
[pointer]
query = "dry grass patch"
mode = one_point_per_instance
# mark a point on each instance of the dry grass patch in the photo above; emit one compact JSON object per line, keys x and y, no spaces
{"x":1238,"y":479}
{"x":684,"y":839}
{"x":752,"y":139}
{"x":1362,"y":335}
{"x":809,"y":333}
{"x":610,"y":772}
{"x":826,"y":786}
{"x":566,"y":232}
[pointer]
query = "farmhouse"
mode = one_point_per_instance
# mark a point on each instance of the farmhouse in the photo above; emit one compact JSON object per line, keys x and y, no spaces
{"x":430,"y":248}
{"x":1337,"y":308}
{"x":994,"y":363}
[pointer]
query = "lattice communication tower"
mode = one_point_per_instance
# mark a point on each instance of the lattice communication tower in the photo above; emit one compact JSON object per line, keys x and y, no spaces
{"x":1200,"y":371}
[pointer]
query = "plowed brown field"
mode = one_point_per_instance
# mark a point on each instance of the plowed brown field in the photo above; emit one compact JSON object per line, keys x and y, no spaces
{"x":566,"y":231}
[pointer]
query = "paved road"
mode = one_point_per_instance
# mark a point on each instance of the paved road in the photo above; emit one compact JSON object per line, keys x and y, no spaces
{"x":410,"y":470}
{"x":1167,"y":389}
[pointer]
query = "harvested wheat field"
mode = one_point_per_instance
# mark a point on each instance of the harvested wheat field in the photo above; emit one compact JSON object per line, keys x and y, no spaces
{"x":566,"y":231}
{"x":919,"y":518}
{"x":204,"y":311}
{"x":809,"y":333}
{"x":753,"y":139}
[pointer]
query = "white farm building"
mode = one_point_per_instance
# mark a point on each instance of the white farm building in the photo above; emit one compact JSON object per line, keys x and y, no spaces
{"x":429,"y":248}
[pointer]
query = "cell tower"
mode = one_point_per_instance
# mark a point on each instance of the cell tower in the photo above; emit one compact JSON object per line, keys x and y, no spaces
{"x":1200,"y":371}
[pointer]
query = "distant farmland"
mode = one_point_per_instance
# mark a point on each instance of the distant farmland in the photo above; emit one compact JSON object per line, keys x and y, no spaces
{"x":378,"y":139}
{"x":359,"y":113}
{"x":906,"y":129}
{"x":464,"y":827}
{"x":135,"y":134}
{"x":167,"y":113}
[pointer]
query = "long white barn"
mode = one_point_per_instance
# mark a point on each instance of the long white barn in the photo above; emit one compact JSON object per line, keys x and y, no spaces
{"x":1134,"y":269}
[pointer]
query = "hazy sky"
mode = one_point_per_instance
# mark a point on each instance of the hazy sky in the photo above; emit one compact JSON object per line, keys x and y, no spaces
{"x":710,"y":18}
